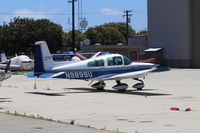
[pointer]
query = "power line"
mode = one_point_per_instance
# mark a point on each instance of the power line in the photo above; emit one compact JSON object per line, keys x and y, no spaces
{"x":63,"y":14}
{"x":33,"y":14}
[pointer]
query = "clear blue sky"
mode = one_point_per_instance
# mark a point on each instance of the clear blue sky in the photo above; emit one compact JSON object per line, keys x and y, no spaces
{"x":59,"y":11}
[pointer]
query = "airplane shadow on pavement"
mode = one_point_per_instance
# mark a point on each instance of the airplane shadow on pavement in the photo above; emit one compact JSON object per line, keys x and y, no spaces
{"x":5,"y":100}
{"x":127,"y":92}
{"x":46,"y":93}
{"x":92,"y":90}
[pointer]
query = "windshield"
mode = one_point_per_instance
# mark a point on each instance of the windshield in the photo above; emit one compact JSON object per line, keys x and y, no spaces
{"x":127,"y":61}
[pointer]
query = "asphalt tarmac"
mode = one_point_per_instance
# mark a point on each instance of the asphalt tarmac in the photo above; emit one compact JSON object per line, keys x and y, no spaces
{"x":16,"y":124}
{"x":146,"y":111}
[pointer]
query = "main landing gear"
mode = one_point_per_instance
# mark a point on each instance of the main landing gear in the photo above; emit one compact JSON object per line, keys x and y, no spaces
{"x":121,"y":87}
{"x":99,"y":85}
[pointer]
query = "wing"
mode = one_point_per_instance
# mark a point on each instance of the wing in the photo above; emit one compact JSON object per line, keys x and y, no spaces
{"x":137,"y":74}
{"x":103,"y":77}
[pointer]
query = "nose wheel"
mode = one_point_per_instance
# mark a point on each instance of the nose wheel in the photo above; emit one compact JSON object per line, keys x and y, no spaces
{"x":139,"y":86}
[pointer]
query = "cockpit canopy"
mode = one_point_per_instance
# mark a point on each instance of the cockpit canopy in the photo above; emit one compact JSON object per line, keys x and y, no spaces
{"x":110,"y":61}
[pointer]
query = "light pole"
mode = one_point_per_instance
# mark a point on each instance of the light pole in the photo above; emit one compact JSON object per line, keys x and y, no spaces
{"x":73,"y":25}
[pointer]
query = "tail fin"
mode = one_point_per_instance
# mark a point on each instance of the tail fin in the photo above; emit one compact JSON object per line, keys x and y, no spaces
{"x":3,"y":57}
{"x":43,"y":60}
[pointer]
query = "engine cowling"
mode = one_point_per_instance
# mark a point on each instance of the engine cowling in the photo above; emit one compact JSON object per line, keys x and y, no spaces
{"x":120,"y":87}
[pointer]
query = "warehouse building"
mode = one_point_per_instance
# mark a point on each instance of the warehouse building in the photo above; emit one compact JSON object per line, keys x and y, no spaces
{"x":174,"y":25}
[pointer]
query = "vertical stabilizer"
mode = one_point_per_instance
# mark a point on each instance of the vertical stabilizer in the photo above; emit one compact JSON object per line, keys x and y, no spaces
{"x":3,"y":58}
{"x":43,"y":60}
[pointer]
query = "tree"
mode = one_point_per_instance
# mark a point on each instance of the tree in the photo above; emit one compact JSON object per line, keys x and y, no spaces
{"x":110,"y":33}
{"x":20,"y":33}
{"x":121,"y":26}
{"x":142,"y":32}
{"x":50,"y":32}
{"x":67,"y":38}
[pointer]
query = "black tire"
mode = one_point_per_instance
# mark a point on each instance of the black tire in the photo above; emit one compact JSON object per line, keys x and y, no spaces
{"x":122,"y":90}
{"x":139,"y":89}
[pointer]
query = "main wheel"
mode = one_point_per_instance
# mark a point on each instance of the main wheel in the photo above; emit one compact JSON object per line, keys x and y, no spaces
{"x":99,"y":86}
{"x":139,"y":89}
{"x":122,"y":90}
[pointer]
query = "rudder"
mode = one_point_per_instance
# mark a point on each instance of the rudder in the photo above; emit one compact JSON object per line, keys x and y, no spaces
{"x":43,"y":60}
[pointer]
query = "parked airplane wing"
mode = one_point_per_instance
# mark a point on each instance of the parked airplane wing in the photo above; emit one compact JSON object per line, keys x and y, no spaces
{"x":103,"y":77}
{"x":137,"y":74}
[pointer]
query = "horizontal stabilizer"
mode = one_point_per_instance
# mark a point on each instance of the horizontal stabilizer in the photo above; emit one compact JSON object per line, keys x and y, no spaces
{"x":46,"y":75}
{"x":42,"y":75}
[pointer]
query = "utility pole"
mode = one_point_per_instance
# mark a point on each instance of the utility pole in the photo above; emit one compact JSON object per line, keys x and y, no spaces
{"x":127,"y":15}
{"x":73,"y":25}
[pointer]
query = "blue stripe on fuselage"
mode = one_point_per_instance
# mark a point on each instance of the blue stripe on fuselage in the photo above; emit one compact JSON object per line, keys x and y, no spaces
{"x":89,"y":74}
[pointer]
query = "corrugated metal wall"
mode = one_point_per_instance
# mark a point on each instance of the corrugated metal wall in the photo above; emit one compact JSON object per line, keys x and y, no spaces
{"x":169,"y":28}
{"x":195,"y":28}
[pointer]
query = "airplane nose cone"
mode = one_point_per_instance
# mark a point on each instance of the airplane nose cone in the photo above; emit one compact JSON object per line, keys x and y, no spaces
{"x":150,"y":65}
{"x":145,"y":65}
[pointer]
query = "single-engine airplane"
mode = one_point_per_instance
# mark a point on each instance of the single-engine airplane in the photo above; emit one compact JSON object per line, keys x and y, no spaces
{"x":101,"y":68}
{"x":18,"y":63}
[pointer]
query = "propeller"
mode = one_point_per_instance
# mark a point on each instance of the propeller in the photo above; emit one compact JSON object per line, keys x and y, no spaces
{"x":5,"y":74}
{"x":7,"y":66}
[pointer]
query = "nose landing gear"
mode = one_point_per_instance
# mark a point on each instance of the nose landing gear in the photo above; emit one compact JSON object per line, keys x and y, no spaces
{"x":138,"y":86}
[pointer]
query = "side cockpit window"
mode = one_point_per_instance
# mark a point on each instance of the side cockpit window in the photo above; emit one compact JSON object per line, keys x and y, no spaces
{"x":91,"y":64}
{"x":99,"y":62}
{"x":114,"y":61}
{"x":96,"y":63}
